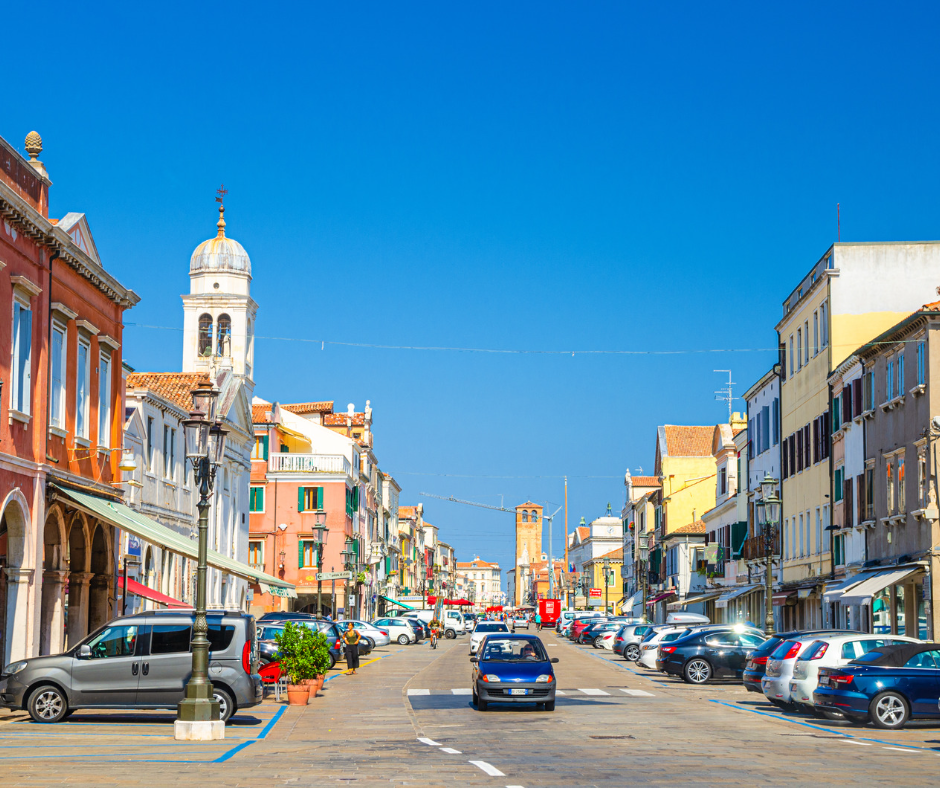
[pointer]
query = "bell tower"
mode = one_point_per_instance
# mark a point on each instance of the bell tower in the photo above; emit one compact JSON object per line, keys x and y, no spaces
{"x":528,"y":543}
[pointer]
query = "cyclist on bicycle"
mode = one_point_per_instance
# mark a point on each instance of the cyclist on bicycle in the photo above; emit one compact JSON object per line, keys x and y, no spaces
{"x":435,"y":627}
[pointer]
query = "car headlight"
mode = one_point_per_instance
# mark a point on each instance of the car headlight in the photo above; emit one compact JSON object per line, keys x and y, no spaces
{"x":491,"y":677}
{"x":14,"y":667}
{"x":545,"y":677}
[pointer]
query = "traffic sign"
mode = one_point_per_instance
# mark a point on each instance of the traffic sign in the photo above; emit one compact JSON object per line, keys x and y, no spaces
{"x":334,"y":576}
{"x":595,"y":592}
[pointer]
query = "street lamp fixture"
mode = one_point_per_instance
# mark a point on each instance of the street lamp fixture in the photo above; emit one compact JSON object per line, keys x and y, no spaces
{"x":320,"y":535}
{"x":197,"y":716}
{"x":767,"y":511}
{"x":606,"y":579}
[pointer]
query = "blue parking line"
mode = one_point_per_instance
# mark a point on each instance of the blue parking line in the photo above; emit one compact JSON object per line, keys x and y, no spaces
{"x":820,"y":727}
{"x":267,"y":728}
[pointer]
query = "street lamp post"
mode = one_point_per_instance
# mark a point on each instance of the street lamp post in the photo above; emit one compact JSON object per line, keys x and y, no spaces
{"x":606,"y":582}
{"x":768,"y":517}
{"x":197,"y":716}
{"x":347,"y":567}
{"x":644,"y":542}
{"x":320,"y":533}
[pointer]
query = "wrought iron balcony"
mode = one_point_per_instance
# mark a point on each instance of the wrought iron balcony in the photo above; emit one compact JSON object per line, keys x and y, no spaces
{"x":755,"y":549}
{"x":287,"y":462}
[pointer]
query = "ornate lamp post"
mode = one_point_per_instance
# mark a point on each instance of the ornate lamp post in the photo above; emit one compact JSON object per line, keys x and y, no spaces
{"x":606,"y":579}
{"x":768,"y":517}
{"x":320,"y":534}
{"x":197,"y":716}
{"x":347,"y":567}
{"x":644,"y":542}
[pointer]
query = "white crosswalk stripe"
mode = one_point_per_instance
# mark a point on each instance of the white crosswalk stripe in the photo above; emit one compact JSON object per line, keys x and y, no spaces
{"x":594,"y":692}
{"x":419,"y":692}
{"x":462,"y":691}
{"x":637,"y":693}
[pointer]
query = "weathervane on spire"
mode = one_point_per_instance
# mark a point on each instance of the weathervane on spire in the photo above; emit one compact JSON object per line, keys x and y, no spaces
{"x":221,"y":191}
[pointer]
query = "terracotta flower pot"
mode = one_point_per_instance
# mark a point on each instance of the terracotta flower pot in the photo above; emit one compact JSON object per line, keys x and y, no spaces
{"x":320,"y":679}
{"x":311,"y":685}
{"x":298,"y":694}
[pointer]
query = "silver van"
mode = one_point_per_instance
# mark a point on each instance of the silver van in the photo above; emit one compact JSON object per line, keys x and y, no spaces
{"x":141,"y":661}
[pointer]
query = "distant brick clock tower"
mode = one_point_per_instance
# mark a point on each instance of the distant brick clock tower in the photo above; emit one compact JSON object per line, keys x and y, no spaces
{"x":528,"y":544}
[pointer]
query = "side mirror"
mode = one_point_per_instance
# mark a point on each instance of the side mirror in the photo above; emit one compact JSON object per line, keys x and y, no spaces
{"x":84,"y":652}
{"x":474,"y":659}
{"x":553,"y":660}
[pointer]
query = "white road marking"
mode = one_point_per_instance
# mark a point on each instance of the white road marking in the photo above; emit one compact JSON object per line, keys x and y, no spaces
{"x":553,"y":645}
{"x":462,"y":691}
{"x":419,"y":692}
{"x":560,"y":692}
{"x":492,"y":771}
{"x":637,"y":693}
{"x":429,"y":742}
{"x":899,"y":749}
{"x":450,"y":750}
{"x":860,"y":743}
{"x":594,"y":692}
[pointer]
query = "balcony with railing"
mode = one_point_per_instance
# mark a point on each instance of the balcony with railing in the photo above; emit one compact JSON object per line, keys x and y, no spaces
{"x":754,"y":548}
{"x":288,"y":462}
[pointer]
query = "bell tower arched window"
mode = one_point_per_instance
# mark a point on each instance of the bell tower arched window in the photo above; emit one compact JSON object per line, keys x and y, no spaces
{"x":224,"y":335}
{"x":205,"y":335}
{"x":525,"y":516}
{"x":535,"y":516}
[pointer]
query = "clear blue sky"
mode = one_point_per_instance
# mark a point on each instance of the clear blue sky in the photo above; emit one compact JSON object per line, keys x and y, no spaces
{"x":542,"y":176}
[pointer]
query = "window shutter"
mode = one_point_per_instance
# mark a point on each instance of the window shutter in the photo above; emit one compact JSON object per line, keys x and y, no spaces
{"x":808,"y":460}
{"x":300,"y":554}
{"x":300,"y":499}
{"x":860,"y":488}
{"x":264,"y":446}
{"x":848,"y":511}
{"x":319,"y":497}
{"x":786,"y":464}
{"x":857,"y":398}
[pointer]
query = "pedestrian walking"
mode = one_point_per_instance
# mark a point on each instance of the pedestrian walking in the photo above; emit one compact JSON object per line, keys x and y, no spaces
{"x":351,"y":640}
{"x":538,"y":621}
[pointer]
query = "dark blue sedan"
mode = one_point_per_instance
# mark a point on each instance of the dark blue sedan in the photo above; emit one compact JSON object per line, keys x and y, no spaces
{"x":887,"y":686}
{"x":513,"y":669}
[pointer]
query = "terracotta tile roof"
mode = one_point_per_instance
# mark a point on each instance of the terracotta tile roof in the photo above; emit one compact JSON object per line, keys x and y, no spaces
{"x":175,"y":387}
{"x":310,"y":407}
{"x":646,"y":481}
{"x":613,"y":555}
{"x":339,"y":420}
{"x":698,"y":527}
{"x":934,"y":306}
{"x":476,"y":564}
{"x":736,"y":431}
{"x":688,"y":441}
{"x":583,"y":531}
{"x":406,"y":511}
{"x":261,"y":414}
{"x":53,"y":221}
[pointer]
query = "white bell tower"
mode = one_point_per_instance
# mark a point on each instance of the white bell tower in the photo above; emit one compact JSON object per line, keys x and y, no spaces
{"x":219,"y":313}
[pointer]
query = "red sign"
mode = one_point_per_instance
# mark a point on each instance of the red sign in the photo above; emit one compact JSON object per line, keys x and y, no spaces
{"x":595,"y":592}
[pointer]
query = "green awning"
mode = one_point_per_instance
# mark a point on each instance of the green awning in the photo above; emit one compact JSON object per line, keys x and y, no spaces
{"x":127,"y":519}
{"x":395,"y":602}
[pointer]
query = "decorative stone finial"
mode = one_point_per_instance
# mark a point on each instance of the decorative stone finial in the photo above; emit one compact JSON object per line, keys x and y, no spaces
{"x":221,"y":191}
{"x":33,"y":145}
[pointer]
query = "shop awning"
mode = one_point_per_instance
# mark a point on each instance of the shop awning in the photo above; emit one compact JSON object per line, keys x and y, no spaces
{"x":780,"y":598}
{"x":660,"y":597}
{"x":133,"y":587}
{"x":395,"y":602}
{"x":627,"y":601}
{"x":127,"y":519}
{"x":734,"y":593}
{"x":693,"y":599}
{"x":834,"y":591}
{"x":862,"y":593}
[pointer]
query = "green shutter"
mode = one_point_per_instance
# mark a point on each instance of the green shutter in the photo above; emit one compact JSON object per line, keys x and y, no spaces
{"x":264,"y":445}
{"x":300,"y":499}
{"x":319,"y":498}
{"x":738,"y":537}
{"x":300,"y":554}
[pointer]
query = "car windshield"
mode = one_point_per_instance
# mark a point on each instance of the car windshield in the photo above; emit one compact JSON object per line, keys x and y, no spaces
{"x":650,"y":635}
{"x":514,"y":650}
{"x":491,"y":628}
{"x":767,"y":648}
{"x":783,"y":649}
{"x":871,"y":656}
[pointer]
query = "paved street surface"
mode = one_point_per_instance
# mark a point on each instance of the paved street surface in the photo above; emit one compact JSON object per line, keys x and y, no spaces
{"x":407,"y":719}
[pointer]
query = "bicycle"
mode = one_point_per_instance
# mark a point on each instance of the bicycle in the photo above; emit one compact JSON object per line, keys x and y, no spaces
{"x":434,"y":637}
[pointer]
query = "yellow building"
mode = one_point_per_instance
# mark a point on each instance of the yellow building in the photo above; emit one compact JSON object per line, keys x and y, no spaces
{"x":852,"y":294}
{"x":610,"y":586}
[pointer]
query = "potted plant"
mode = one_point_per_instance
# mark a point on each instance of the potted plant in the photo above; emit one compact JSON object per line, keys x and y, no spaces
{"x":295,"y":652}
{"x":321,"y":660}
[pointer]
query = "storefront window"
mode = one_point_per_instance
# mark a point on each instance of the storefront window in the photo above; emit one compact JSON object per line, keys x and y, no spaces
{"x":899,"y":610}
{"x":881,"y":612}
{"x":921,"y":613}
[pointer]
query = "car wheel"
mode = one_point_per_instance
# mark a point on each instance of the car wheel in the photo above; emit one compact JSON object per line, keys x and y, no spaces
{"x":450,"y":634}
{"x":550,"y":706}
{"x":369,"y":642}
{"x":403,"y":640}
{"x":332,"y":662}
{"x":226,"y":704}
{"x":48,"y":704}
{"x":598,"y":643}
{"x":632,"y":652}
{"x":889,"y":711}
{"x":481,"y":704}
{"x":697,"y":671}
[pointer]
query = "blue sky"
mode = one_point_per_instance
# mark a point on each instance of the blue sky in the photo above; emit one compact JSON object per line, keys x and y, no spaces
{"x":533,"y":176}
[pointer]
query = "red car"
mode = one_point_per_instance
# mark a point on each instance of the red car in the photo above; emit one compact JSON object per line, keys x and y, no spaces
{"x":579,"y":625}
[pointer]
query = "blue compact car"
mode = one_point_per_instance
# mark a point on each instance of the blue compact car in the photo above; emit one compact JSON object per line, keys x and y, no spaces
{"x":513,"y":669}
{"x":887,"y":686}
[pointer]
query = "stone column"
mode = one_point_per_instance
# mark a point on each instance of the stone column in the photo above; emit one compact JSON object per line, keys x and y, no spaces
{"x":99,"y":601}
{"x":78,"y":606}
{"x":52,"y":617}
{"x":17,"y":626}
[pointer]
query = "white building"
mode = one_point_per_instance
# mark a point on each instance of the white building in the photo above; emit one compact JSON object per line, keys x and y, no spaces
{"x":588,"y":542}
{"x":484,"y":578}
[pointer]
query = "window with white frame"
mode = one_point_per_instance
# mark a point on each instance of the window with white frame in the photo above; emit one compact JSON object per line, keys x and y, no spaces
{"x":921,"y":363}
{"x":82,"y":389}
{"x":57,"y":384}
{"x":792,"y":348}
{"x":806,"y":343}
{"x":104,"y":401}
{"x":802,"y":542}
{"x":815,"y":332}
{"x":799,"y":348}
{"x":824,"y":324}
{"x":21,"y":371}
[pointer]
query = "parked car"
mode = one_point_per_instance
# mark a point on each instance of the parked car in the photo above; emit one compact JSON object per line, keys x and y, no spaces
{"x":416,"y":626}
{"x":483,"y":629}
{"x":370,"y":632}
{"x":142,"y":661}
{"x":285,"y":615}
{"x":708,"y":653}
{"x":888,"y":686}
{"x":627,"y":640}
{"x":565,"y":618}
{"x":775,"y":683}
{"x":580,"y":624}
{"x":513,"y":668}
{"x":268,"y":644}
{"x":598,"y":632}
{"x":399,"y":630}
{"x":649,"y":648}
{"x":833,"y":652}
{"x":756,"y":666}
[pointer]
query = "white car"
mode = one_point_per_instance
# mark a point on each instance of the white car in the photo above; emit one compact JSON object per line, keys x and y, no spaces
{"x":832,"y":652}
{"x":649,"y":648}
{"x":607,"y":639}
{"x":482,"y":630}
{"x":398,"y":629}
{"x":519,"y":622}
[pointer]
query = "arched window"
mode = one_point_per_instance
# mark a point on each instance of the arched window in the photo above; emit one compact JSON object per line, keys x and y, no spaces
{"x":525,"y":516}
{"x":535,"y":516}
{"x":205,"y":335}
{"x":224,"y":335}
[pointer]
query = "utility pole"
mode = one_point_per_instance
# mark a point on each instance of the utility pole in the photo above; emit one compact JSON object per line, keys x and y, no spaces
{"x":568,"y":597}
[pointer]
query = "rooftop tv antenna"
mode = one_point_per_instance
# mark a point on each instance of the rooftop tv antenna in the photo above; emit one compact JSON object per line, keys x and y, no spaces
{"x":725,"y":394}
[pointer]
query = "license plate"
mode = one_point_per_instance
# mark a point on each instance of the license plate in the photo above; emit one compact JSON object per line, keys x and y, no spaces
{"x":823,"y":681}
{"x":518,"y":692}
